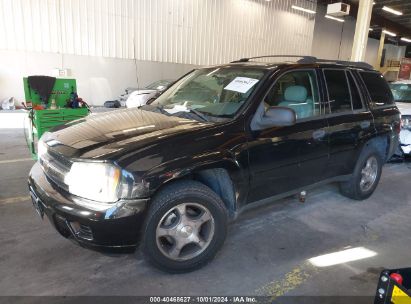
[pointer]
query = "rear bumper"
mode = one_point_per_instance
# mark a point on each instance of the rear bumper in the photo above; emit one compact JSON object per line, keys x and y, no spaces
{"x":118,"y":226}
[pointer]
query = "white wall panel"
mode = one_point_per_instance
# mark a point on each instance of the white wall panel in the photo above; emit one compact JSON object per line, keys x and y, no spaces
{"x":179,"y":31}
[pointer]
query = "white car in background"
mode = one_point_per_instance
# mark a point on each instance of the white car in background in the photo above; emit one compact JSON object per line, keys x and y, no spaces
{"x":140,"y":97}
{"x":402,"y":96}
{"x":123,"y":97}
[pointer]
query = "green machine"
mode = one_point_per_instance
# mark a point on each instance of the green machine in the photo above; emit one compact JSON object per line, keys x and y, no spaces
{"x":50,"y":102}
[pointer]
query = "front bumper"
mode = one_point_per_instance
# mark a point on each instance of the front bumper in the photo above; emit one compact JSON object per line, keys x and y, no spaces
{"x":118,"y":226}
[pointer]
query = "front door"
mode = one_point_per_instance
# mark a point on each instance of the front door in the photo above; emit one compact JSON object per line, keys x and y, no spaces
{"x":283,"y":159}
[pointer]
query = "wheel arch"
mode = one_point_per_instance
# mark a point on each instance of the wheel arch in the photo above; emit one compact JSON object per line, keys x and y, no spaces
{"x":382,"y":144}
{"x":224,"y":177}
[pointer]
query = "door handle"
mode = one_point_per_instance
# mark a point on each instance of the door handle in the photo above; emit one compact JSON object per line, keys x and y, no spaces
{"x":319,"y":134}
{"x":365,"y":124}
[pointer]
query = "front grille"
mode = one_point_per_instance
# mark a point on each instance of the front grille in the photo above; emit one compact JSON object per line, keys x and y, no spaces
{"x":56,"y":168}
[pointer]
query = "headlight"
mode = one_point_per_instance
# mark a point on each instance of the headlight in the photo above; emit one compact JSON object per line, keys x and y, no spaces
{"x":100,"y":182}
{"x":41,"y":148}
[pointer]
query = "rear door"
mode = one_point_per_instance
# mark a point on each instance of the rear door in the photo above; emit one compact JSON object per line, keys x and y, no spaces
{"x":350,"y":122}
{"x":381,"y":100}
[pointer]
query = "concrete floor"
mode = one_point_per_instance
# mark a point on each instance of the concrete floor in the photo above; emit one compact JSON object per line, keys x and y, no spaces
{"x":265,"y":253}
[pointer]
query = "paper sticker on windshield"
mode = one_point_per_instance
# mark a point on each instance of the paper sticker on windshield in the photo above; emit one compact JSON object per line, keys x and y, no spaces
{"x":241,"y":84}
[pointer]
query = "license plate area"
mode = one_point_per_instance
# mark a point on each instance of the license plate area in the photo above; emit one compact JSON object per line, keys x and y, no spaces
{"x":38,"y":206}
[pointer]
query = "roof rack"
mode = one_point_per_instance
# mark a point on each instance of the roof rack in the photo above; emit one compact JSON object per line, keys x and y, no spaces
{"x":312,"y":60}
{"x":357,"y":64}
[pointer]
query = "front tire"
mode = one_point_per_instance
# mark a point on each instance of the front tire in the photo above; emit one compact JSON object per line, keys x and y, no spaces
{"x":366,"y":175}
{"x":185,"y":227}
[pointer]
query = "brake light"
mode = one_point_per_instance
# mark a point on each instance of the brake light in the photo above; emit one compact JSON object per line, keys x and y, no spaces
{"x":397,"y":278}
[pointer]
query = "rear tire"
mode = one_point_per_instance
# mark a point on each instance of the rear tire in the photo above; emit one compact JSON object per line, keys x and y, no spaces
{"x":185,"y":227}
{"x":366,"y":175}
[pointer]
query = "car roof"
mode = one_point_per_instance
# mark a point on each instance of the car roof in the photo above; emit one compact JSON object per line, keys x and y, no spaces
{"x":263,"y":62}
{"x":281,"y":65}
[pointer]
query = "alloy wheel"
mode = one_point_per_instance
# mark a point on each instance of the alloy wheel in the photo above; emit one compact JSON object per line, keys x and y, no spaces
{"x":369,"y":174}
{"x":185,"y":231}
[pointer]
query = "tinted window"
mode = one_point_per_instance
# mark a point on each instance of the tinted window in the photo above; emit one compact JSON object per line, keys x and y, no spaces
{"x":338,"y":91}
{"x":378,"y":89}
{"x":296,"y":90}
{"x":355,"y":95}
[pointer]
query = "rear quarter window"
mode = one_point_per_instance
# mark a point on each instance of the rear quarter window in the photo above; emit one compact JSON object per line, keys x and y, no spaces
{"x":378,"y":89}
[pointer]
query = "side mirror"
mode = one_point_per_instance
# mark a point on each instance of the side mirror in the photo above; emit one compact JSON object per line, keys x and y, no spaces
{"x":273,"y":117}
{"x":280,"y":116}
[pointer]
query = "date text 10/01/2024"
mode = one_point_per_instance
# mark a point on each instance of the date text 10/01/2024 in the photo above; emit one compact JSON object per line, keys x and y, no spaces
{"x":233,"y":299}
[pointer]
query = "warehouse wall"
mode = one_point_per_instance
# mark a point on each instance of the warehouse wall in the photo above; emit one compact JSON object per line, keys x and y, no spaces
{"x":178,"y":31}
{"x":333,"y":40}
{"x":98,"y":78}
{"x":394,"y":52}
{"x":99,"y":38}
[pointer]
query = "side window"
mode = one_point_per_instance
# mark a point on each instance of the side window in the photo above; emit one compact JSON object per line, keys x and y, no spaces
{"x":378,"y":88}
{"x":355,"y":95}
{"x":297,"y":90}
{"x":338,"y":91}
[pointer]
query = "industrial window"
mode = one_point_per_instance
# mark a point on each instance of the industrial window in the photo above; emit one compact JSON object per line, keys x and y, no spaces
{"x":378,"y":89}
{"x":338,"y":91}
{"x":297,"y":90}
{"x":355,"y":95}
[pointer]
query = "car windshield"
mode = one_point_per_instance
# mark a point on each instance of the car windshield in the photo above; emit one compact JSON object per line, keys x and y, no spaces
{"x":218,"y":92}
{"x":401,"y":92}
{"x":158,"y":85}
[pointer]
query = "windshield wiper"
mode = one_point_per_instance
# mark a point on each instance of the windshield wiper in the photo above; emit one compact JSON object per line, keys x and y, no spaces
{"x":199,"y":114}
{"x":153,"y":108}
{"x":160,"y":109}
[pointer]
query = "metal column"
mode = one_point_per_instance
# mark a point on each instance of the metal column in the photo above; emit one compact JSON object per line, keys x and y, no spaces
{"x":361,"y":30}
{"x":380,"y":49}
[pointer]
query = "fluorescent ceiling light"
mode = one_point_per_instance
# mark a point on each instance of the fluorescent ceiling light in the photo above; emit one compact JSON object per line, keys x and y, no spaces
{"x":405,"y":39}
{"x":373,"y":3}
{"x":391,"y":10}
{"x":389,"y":33}
{"x":341,"y":257}
{"x":298,"y":8}
{"x":370,"y":29}
{"x":334,"y":18}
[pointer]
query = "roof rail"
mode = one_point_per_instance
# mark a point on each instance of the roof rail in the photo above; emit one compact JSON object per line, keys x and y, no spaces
{"x":276,"y":56}
{"x":357,"y":64}
{"x":312,"y":60}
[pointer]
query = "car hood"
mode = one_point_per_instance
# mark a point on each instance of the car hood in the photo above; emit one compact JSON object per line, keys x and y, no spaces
{"x":103,"y":136}
{"x":404,"y":107}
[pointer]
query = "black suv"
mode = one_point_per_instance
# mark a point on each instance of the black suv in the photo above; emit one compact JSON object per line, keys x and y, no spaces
{"x":171,"y":174}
